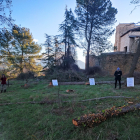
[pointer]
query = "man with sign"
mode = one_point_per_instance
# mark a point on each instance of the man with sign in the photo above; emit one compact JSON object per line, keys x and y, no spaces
{"x":118,"y":75}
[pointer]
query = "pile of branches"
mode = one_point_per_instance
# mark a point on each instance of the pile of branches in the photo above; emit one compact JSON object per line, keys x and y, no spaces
{"x":91,"y":120}
{"x":67,"y":76}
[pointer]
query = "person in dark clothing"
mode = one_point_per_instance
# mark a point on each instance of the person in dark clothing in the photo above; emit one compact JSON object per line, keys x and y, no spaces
{"x":3,"y":83}
{"x":118,"y":75}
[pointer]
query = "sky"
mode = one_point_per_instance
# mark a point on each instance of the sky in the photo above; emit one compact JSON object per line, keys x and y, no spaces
{"x":44,"y":16}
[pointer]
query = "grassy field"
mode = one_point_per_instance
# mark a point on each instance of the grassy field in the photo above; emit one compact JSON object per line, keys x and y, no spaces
{"x":53,"y":121}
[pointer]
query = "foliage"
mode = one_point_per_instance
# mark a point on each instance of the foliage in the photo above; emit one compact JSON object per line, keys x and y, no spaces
{"x":53,"y":52}
{"x":68,"y":28}
{"x":65,"y":75}
{"x":135,"y":1}
{"x":95,"y":20}
{"x":94,"y":70}
{"x":5,"y":20}
{"x":19,"y":50}
{"x":25,"y":76}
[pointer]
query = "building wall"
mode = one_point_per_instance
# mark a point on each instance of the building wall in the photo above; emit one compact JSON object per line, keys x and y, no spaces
{"x":121,"y":29}
{"x":125,"y":41}
{"x":109,"y":62}
{"x":129,"y":42}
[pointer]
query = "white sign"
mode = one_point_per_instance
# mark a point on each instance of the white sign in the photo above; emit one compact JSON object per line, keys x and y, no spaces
{"x":91,"y":81}
{"x":130,"y":82}
{"x":55,"y":82}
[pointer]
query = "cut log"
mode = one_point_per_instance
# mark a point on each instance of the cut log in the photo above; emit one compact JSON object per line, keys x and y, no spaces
{"x":87,"y":83}
{"x":108,"y":82}
{"x":94,"y":119}
{"x":71,"y":83}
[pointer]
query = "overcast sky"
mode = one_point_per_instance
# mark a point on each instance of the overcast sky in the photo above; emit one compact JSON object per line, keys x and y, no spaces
{"x":44,"y":16}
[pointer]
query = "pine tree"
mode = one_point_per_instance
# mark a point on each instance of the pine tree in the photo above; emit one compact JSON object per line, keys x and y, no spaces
{"x":48,"y":56}
{"x":20,"y":50}
{"x":68,"y":28}
{"x":95,"y":20}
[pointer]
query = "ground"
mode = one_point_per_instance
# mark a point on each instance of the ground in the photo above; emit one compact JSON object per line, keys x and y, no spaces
{"x":53,"y":121}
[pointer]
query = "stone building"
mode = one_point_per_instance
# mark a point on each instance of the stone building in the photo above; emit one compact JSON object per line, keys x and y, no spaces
{"x":126,"y":36}
{"x":125,"y":48}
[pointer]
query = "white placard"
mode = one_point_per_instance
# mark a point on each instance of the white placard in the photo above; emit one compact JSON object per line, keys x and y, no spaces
{"x":130,"y":82}
{"x":55,"y":82}
{"x":92,"y":81}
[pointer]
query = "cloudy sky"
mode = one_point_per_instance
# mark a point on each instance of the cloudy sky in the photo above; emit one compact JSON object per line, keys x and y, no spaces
{"x":44,"y":16}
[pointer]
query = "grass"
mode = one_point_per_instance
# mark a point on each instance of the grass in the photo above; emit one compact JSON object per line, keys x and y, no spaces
{"x":54,"y":122}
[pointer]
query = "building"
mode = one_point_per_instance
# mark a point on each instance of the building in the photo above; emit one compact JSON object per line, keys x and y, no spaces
{"x":126,"y":36}
{"x":124,"y":50}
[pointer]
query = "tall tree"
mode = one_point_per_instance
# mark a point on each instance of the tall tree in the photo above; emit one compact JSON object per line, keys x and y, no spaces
{"x":68,"y":28}
{"x":53,"y":51}
{"x":48,"y":55}
{"x":95,"y":20}
{"x":57,"y":50}
{"x":20,"y":50}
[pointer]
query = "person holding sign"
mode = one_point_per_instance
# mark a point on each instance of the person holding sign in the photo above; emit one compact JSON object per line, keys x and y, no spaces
{"x":118,"y":75}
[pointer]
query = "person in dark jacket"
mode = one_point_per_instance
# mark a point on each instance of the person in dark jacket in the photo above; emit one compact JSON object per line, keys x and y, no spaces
{"x":3,"y":83}
{"x":118,"y":75}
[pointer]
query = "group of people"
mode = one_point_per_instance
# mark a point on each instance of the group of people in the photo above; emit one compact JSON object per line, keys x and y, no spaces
{"x":117,"y":74}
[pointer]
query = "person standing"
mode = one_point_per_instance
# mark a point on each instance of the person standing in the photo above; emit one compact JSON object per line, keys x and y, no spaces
{"x":118,"y":75}
{"x":3,"y":83}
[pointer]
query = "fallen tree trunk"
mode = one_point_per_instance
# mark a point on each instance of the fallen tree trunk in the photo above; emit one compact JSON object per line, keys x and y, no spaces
{"x":51,"y":102}
{"x":108,"y":82}
{"x":71,"y":83}
{"x":107,"y":97}
{"x":83,"y":83}
{"x":94,"y":119}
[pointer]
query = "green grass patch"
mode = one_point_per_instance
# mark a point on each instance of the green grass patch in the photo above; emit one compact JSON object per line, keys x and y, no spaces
{"x":53,"y":121}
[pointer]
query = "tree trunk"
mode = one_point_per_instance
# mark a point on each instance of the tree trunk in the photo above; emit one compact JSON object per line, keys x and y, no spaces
{"x":87,"y":61}
{"x":88,"y":49}
{"x":21,"y":63}
{"x":94,"y":119}
{"x":135,"y":60}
